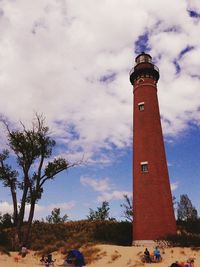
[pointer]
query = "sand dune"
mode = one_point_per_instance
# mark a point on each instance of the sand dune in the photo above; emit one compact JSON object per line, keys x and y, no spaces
{"x":109,"y":256}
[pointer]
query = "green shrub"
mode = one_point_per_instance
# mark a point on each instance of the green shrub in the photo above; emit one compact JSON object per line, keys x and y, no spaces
{"x":4,"y":238}
{"x":119,"y":233}
{"x":190,"y":226}
{"x":184,"y":240}
{"x":74,"y":234}
{"x":3,"y":250}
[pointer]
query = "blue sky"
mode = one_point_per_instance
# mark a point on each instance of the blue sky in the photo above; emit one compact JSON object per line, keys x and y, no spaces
{"x":70,"y":60}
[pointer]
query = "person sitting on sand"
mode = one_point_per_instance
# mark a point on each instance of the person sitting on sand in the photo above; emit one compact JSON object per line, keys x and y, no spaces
{"x":74,"y":258}
{"x":175,"y":264}
{"x":24,"y":251}
{"x":49,"y":259}
{"x":43,"y":260}
{"x":157,"y":255}
{"x":187,"y":264}
{"x":191,"y":263}
{"x":147,"y":256}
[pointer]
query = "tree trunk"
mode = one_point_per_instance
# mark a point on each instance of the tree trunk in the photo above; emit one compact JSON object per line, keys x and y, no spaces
{"x":20,"y":219}
{"x":15,"y":211}
{"x":26,"y":237}
{"x":16,"y":244}
{"x":23,"y":202}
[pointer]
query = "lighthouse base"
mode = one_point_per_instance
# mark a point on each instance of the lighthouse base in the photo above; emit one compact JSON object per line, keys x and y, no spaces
{"x":144,"y":243}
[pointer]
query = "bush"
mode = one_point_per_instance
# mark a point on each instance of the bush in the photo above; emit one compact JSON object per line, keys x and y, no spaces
{"x":191,"y":226}
{"x":118,"y":233}
{"x":184,"y":240}
{"x":3,"y":250}
{"x":4,"y":238}
{"x":78,"y":233}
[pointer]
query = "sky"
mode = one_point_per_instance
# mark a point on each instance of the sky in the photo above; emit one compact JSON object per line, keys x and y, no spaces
{"x":70,"y":60}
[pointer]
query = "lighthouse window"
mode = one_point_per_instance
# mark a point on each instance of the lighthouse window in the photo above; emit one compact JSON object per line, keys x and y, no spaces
{"x":144,"y":166}
{"x":141,"y":106}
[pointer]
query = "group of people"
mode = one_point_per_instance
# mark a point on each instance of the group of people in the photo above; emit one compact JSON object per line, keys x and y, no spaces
{"x":154,"y":257}
{"x":74,"y":258}
{"x":189,"y":263}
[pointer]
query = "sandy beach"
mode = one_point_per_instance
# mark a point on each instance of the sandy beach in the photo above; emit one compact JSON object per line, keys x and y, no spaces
{"x":109,"y":256}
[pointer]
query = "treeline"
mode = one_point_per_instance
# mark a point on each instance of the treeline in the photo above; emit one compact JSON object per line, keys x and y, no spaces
{"x":57,"y":232}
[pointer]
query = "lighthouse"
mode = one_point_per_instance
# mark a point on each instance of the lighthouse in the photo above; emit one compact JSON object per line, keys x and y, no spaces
{"x":152,"y":199}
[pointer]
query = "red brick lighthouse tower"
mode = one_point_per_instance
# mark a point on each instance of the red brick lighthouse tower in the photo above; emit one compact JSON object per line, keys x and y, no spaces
{"x":152,"y":199}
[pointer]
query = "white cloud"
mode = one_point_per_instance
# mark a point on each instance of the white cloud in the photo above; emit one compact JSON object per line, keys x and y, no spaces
{"x":63,"y":206}
{"x":97,"y":185}
{"x":194,"y":5}
{"x":115,"y":195}
{"x":6,"y":207}
{"x":40,"y":210}
{"x":106,"y":190}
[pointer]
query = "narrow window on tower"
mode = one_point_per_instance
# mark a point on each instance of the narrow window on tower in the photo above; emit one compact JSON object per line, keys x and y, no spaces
{"x":144,"y":166}
{"x":141,"y":106}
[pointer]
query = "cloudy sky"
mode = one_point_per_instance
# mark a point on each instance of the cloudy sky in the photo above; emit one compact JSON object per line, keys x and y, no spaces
{"x":70,"y":60}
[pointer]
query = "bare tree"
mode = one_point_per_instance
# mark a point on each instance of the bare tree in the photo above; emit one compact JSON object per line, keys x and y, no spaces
{"x":32,"y":149}
{"x":128,"y":209}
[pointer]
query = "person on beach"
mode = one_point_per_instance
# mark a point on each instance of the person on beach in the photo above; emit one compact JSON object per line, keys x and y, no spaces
{"x":24,"y":251}
{"x":187,"y":264}
{"x":42,"y":260}
{"x":147,"y":256}
{"x":49,"y":259}
{"x":175,"y":264}
{"x":74,"y":259}
{"x":192,"y":263}
{"x":157,"y":255}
